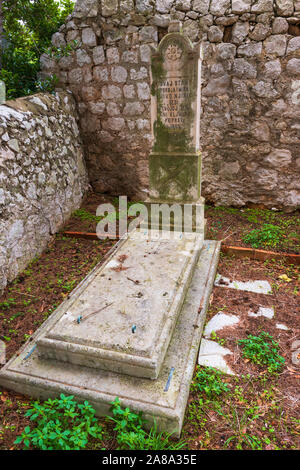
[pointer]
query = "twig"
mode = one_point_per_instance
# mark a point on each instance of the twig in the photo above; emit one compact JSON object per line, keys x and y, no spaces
{"x":96,"y":311}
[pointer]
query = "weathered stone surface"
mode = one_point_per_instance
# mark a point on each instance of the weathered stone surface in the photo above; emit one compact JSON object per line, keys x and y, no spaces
{"x":145,"y":53}
{"x":217,"y":86}
{"x":82,"y":57}
{"x":285,"y":7}
{"x":260,"y":32}
{"x":261,"y":6}
{"x":183,"y":5}
{"x":262,"y":312}
{"x":111,"y":92}
{"x":276,"y":44}
{"x":106,"y":341}
{"x":143,"y":6}
{"x":129,"y":91}
{"x":293,"y":66}
{"x":242,"y":68}
{"x":280,"y":26}
{"x":226,"y":51}
{"x":97,"y":108}
{"x":89,"y":37}
{"x":241,"y":6}
{"x":35,"y":378}
{"x":218,"y":322}
{"x":293,"y":45}
{"x":252,"y":49}
{"x":219,"y":7}
{"x":109,"y":7}
{"x":143,"y":90}
{"x":98,"y":55}
{"x":279,"y":158}
{"x":260,"y":286}
{"x":39,"y":197}
{"x":126,"y":6}
{"x":261,"y":131}
{"x":133,"y":109}
{"x":164,"y":6}
{"x":240,"y":31}
{"x":58,"y":40}
{"x":212,"y":354}
{"x":75,"y":76}
{"x":273,"y":68}
{"x":265,"y":90}
{"x":118,"y":74}
{"x":114,"y":124}
{"x":85,"y":8}
{"x":148,"y":34}
{"x":202,"y":6}
{"x":100,"y":74}
{"x":113,"y":55}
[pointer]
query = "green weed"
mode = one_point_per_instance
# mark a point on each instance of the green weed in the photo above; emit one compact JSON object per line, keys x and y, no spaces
{"x":262,"y":350}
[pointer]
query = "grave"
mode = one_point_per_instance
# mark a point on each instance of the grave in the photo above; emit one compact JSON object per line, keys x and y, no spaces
{"x":132,"y":328}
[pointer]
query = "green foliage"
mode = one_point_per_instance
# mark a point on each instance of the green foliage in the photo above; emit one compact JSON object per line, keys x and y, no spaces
{"x":268,"y":235}
{"x":83,"y":214}
{"x":209,"y":381}
{"x":263,"y":350}
{"x":132,"y":435}
{"x":7,"y":303}
{"x":28,"y":27}
{"x":62,"y":424}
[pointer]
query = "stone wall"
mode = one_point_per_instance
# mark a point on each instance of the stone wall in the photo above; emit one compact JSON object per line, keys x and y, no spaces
{"x":42,"y":175}
{"x":250,"y":129}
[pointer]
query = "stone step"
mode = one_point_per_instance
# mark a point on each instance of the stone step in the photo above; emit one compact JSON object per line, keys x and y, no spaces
{"x":162,"y":401}
{"x":123,"y":318}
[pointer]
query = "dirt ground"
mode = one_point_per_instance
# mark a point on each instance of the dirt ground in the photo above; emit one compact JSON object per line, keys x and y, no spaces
{"x":223,"y":223}
{"x":257,"y":404}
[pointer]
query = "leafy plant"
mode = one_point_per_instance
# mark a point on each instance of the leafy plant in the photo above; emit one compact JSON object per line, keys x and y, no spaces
{"x":267,"y":235}
{"x":28,"y":27}
{"x":209,"y":381}
{"x":7,"y":303}
{"x":132,"y":435}
{"x":262,"y":350}
{"x":62,"y":424}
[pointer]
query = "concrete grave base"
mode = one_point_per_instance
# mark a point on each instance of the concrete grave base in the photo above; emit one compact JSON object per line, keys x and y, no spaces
{"x":31,"y":375}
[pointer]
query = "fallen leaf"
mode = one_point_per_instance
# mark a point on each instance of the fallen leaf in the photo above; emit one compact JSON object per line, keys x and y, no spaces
{"x":285,"y":278}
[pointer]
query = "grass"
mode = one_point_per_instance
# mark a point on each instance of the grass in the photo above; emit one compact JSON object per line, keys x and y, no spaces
{"x":237,"y":413}
{"x":258,"y":228}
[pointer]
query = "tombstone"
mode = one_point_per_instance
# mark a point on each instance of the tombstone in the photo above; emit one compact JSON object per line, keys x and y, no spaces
{"x":175,"y":160}
{"x":2,"y":92}
{"x":133,"y":326}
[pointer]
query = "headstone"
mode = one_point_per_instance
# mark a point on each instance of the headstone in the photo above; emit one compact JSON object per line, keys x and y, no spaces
{"x":2,"y":92}
{"x":175,"y":161}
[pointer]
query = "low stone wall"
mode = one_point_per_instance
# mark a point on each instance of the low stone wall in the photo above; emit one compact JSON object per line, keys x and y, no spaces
{"x":42,"y":175}
{"x":250,"y":93}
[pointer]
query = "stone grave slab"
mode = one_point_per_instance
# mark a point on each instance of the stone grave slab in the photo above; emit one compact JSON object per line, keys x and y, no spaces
{"x":117,"y":323}
{"x":29,"y":374}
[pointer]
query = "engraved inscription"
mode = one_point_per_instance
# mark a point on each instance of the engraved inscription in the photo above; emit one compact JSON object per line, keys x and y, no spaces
{"x":174,"y":101}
